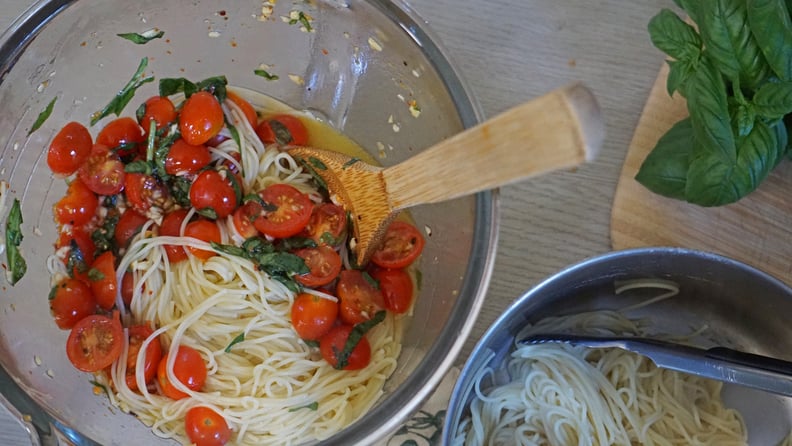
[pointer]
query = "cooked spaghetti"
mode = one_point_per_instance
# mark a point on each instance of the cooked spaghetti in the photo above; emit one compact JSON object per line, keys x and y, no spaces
{"x":560,"y":394}
{"x":268,"y":383}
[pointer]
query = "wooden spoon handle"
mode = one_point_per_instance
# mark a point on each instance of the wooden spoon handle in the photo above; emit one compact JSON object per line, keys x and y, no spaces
{"x":558,"y":130}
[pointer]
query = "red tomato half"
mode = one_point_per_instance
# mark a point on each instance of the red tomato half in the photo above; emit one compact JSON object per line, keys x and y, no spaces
{"x":324,"y":264}
{"x":189,"y":368}
{"x":205,"y":230}
{"x":359,"y":298}
{"x":103,"y":280}
{"x":201,"y":118}
{"x":120,"y":132}
{"x":327,"y":224}
{"x":186,"y":158}
{"x":211,"y":191}
{"x":332,"y":346}
{"x":313,"y":316}
{"x":144,"y":191}
{"x":77,"y":207}
{"x":138,"y":334}
{"x":396,"y":287}
{"x":69,"y":148}
{"x":129,"y":224}
{"x":244,"y":216}
{"x":284,"y":130}
{"x":402,"y":244}
{"x":292,"y":213}
{"x":71,"y":301}
{"x":103,"y":172}
{"x":205,"y":427}
{"x":160,"y":110}
{"x":95,"y":342}
{"x":171,"y":225}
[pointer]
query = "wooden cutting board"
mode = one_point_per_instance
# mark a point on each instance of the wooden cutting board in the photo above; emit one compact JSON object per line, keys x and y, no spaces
{"x":756,"y":230}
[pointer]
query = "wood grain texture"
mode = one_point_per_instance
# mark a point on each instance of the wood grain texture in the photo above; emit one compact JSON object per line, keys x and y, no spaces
{"x":756,"y":230}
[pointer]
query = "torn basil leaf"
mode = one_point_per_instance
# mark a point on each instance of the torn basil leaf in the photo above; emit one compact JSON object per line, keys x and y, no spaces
{"x":265,"y":74}
{"x":122,"y":98}
{"x":142,"y":38}
{"x":42,"y":116}
{"x":17,"y":267}
{"x":357,"y":333}
{"x":239,"y":338}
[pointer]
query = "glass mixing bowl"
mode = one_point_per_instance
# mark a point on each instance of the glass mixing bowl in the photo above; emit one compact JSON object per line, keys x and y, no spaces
{"x":367,"y":68}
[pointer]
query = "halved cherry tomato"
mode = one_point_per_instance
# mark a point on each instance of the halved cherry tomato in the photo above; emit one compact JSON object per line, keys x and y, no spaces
{"x":211,"y":191}
{"x":171,"y":225}
{"x":189,"y":368}
{"x":137,"y":335}
{"x":292,"y":213}
{"x":77,"y":207}
{"x":313,"y":316}
{"x":244,"y":216}
{"x":83,"y":256}
{"x":205,"y":427}
{"x":69,"y":148}
{"x":103,"y":172}
{"x":127,"y":288}
{"x":324,"y":264}
{"x":247,"y":109}
{"x":123,"y":133}
{"x":144,"y":191}
{"x":282,"y":129}
{"x":401,"y":245}
{"x":71,"y":300}
{"x":396,"y":287}
{"x":327,"y":224}
{"x":159,"y":109}
{"x":205,"y":230}
{"x":332,"y":344}
{"x":129,"y":224}
{"x":186,"y":158}
{"x":201,"y":118}
{"x":103,"y":280}
{"x":95,"y":342}
{"x":359,"y":297}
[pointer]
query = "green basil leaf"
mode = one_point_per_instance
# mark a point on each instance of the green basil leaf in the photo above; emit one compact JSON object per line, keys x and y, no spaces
{"x":207,"y":212}
{"x":773,"y":100}
{"x":782,"y":148}
{"x":357,"y":333}
{"x":239,"y":338}
{"x":122,"y":98}
{"x":282,"y":134}
{"x":679,"y":71}
{"x":313,"y":406}
{"x":17,"y":267}
{"x":180,"y":190}
{"x":231,"y":250}
{"x":709,"y":111}
{"x":772,"y":28}
{"x":715,"y":181}
{"x":42,"y":116}
{"x":265,"y":74}
{"x":674,"y":37}
{"x":171,"y":86}
{"x":215,"y":85}
{"x":665,"y":169}
{"x":142,"y":38}
{"x":138,"y":166}
{"x":744,"y":118}
{"x":104,"y":236}
{"x":691,"y":7}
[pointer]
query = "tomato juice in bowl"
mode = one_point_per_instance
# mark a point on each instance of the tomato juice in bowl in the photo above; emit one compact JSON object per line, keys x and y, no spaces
{"x":390,"y":96}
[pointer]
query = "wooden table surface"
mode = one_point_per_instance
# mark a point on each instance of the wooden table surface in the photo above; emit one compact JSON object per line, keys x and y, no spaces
{"x":510,"y":51}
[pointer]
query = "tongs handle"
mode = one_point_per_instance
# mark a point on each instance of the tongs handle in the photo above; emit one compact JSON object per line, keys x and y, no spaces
{"x":751,"y":360}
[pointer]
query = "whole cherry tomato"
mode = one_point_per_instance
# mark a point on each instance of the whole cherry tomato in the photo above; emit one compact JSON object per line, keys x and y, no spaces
{"x":201,"y":118}
{"x":313,"y":316}
{"x":70,"y":301}
{"x":77,"y":207}
{"x":188,"y":367}
{"x":333,"y":347}
{"x":205,"y":427}
{"x":69,"y":148}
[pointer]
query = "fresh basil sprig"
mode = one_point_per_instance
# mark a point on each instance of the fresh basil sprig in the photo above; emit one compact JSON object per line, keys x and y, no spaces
{"x":42,"y":116}
{"x":16,"y":263}
{"x":122,"y":98}
{"x":734,"y":68}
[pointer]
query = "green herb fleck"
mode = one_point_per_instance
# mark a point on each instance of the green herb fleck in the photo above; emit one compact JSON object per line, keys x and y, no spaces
{"x":303,"y":20}
{"x":53,"y":292}
{"x":139,"y":166}
{"x":16,"y":263}
{"x":265,"y":74}
{"x":313,"y":406}
{"x":94,"y":275}
{"x":317,"y":163}
{"x":239,"y":338}
{"x":208,"y":212}
{"x":351,"y":162}
{"x":142,"y":38}
{"x":43,"y":116}
{"x":101,"y":386}
{"x":370,"y":280}
{"x":357,"y":333}
{"x":122,"y":98}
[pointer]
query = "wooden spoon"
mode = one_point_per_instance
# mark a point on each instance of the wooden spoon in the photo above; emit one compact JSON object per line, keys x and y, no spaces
{"x":559,"y":130}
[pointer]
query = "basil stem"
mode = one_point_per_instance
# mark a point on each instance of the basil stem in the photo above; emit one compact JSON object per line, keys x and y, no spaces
{"x":16,"y":263}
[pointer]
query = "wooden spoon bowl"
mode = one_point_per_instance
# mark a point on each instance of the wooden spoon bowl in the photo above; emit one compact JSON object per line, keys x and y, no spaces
{"x":559,"y":130}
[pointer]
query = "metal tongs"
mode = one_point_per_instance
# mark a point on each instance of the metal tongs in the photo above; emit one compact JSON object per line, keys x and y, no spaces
{"x":719,"y":363}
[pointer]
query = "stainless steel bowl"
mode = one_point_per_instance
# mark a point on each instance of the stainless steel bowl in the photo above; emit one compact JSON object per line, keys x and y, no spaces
{"x":361,"y":65}
{"x":743,"y":308}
